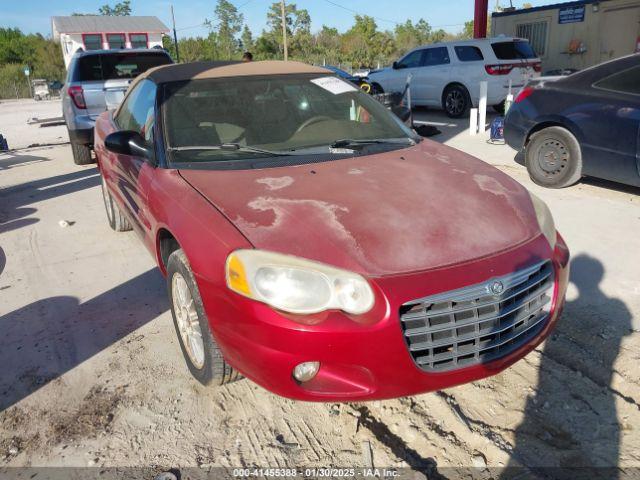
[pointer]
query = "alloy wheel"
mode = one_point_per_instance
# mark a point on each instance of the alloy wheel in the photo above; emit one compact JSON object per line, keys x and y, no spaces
{"x":455,"y":102}
{"x":187,"y":318}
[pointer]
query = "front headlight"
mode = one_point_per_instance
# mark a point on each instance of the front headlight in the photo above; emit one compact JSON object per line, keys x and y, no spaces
{"x":296,"y":285}
{"x":545,"y":220}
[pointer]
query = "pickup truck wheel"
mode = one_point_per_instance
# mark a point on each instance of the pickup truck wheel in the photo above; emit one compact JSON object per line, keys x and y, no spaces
{"x":553,"y":158}
{"x":456,"y":101}
{"x":81,"y":154}
{"x":201,"y":352}
{"x":116,"y":220}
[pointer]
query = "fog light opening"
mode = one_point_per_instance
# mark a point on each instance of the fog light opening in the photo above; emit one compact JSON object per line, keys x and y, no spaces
{"x":305,"y":371}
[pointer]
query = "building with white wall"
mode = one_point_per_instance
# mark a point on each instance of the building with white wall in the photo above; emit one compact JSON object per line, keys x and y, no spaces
{"x":103,"y":32}
{"x":575,"y":34}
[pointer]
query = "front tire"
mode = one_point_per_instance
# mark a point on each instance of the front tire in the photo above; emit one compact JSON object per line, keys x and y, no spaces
{"x":117,"y":221}
{"x":456,"y":101}
{"x":199,"y":348}
{"x":376,"y":89}
{"x":553,"y":158}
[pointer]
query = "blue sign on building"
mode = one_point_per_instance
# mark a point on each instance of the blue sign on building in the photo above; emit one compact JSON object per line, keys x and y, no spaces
{"x":571,"y":14}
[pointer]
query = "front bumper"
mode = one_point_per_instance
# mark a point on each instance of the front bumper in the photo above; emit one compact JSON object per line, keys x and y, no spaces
{"x":365,"y":357}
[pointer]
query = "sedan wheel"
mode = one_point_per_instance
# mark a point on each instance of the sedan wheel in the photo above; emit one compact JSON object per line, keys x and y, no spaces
{"x":187,"y":319}
{"x":201,"y":351}
{"x":553,"y":158}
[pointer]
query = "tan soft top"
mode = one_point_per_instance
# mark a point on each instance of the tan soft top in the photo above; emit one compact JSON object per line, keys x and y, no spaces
{"x":200,"y":70}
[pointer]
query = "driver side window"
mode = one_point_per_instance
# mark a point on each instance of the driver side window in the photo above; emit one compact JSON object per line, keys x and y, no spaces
{"x":412,"y":60}
{"x":138,"y":110}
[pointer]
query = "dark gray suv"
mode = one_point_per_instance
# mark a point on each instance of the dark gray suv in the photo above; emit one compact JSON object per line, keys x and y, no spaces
{"x":97,"y":81}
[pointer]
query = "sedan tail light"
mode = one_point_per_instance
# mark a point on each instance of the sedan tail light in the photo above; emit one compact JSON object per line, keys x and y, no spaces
{"x":77,"y":96}
{"x":524,"y":93}
{"x":503,"y":69}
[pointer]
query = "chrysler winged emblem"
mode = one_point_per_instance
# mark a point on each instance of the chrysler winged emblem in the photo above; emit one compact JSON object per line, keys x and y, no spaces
{"x":496,"y":287}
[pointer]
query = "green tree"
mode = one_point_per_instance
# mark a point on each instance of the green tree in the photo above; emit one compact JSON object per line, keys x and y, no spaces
{"x":246,"y":39}
{"x":17,"y":50}
{"x":363,"y":45}
{"x":228,"y":24}
{"x":266,"y":46}
{"x":121,"y":9}
{"x":12,"y":47}
{"x":298,"y":25}
{"x":439,"y":36}
{"x":326,"y":46}
{"x":408,"y":35}
{"x":467,"y":31}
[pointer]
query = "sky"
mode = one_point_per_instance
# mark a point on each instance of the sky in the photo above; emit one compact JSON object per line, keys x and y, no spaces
{"x":33,"y":16}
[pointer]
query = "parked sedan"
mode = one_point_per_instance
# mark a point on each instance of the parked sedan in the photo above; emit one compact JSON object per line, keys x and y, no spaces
{"x":394,"y":102}
{"x":313,"y":244}
{"x":359,"y":81}
{"x":583,"y":124}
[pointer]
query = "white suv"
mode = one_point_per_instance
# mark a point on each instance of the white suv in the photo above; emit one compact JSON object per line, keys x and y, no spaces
{"x":448,"y":74}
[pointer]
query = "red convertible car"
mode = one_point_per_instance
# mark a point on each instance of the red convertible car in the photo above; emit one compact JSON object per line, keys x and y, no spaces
{"x":314,"y":244}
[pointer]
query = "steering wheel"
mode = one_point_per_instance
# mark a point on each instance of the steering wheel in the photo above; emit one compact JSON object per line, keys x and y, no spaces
{"x":311,"y":121}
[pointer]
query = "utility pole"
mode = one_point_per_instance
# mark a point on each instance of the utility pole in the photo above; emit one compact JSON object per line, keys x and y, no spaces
{"x":284,"y":30}
{"x":175,"y":36}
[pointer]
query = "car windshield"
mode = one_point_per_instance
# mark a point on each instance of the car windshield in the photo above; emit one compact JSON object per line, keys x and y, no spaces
{"x":237,"y":118}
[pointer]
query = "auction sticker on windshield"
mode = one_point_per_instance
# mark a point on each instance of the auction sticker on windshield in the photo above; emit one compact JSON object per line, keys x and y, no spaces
{"x":334,"y":85}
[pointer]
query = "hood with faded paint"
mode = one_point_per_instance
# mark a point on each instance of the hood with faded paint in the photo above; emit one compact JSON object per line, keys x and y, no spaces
{"x":403,"y":211}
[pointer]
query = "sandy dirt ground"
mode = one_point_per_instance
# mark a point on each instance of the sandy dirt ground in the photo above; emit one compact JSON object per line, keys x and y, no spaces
{"x":13,"y":123}
{"x":91,"y":372}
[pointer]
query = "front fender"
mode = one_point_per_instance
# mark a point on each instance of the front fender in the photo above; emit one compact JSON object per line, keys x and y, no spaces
{"x":204,"y":233}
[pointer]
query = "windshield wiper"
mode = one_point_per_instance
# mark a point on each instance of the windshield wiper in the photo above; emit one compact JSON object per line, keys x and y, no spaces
{"x":350,"y":142}
{"x":231,"y":147}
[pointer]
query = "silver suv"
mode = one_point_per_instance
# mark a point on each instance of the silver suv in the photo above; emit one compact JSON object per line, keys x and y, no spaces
{"x":97,"y":81}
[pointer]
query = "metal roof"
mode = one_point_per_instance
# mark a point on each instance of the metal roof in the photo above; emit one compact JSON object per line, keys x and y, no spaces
{"x":577,"y":3}
{"x":106,"y":24}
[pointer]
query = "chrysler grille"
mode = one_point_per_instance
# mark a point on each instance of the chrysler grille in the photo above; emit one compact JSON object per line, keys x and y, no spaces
{"x":479,"y":323}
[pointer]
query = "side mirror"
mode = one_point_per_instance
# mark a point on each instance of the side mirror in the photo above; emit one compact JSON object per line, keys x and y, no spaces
{"x":127,"y":142}
{"x":395,"y":66}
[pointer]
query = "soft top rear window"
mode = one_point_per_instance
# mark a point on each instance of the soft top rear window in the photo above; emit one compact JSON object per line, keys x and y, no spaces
{"x":513,"y":50}
{"x":114,"y":66}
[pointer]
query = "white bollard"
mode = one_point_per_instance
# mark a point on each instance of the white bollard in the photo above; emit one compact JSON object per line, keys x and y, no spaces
{"x":473,"y":122}
{"x":482,"y":107}
{"x":507,"y":103}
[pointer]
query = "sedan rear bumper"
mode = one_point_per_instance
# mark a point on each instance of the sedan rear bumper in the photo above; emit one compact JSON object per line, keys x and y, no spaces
{"x":366,"y":358}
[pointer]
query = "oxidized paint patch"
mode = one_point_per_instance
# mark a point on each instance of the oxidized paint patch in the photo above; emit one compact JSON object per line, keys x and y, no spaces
{"x":275,"y":183}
